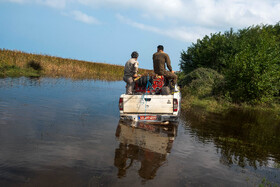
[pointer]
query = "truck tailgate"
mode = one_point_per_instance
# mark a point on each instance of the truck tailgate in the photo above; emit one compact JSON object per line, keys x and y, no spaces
{"x":153,"y":104}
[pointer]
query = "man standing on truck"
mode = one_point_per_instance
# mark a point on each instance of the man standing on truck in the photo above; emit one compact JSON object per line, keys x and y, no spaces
{"x":130,"y":72}
{"x":161,"y":58}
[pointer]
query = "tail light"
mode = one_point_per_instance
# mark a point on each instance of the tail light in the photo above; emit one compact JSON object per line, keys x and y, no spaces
{"x":121,"y":104}
{"x":175,"y":105}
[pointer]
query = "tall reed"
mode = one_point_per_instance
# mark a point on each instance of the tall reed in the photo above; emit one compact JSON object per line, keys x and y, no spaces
{"x":63,"y":67}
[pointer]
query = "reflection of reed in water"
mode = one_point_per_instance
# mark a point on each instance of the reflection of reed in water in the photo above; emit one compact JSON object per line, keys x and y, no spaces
{"x":144,"y":143}
{"x":242,"y":137}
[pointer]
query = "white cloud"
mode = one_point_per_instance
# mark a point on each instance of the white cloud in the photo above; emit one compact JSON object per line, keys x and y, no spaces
{"x":192,"y":19}
{"x":236,"y":13}
{"x":203,"y":15}
{"x":17,"y":1}
{"x":58,"y":4}
{"x":211,"y":13}
{"x":80,"y":16}
{"x":155,"y":8}
{"x":186,"y":34}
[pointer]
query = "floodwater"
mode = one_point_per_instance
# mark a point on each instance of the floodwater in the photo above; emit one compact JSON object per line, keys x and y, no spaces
{"x":59,"y":132}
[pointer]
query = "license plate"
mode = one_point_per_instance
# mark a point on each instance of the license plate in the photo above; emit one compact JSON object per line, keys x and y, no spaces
{"x":147,"y":117}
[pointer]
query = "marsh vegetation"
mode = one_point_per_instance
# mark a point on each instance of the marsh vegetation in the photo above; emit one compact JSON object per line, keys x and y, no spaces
{"x":17,"y":63}
{"x":234,"y":68}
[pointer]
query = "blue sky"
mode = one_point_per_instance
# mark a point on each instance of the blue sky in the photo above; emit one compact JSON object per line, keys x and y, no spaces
{"x":109,"y":30}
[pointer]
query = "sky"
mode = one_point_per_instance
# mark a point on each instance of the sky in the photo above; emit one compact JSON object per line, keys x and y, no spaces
{"x":108,"y":31}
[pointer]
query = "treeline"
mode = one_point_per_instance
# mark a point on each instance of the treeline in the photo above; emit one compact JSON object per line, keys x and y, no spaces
{"x":242,"y":66}
{"x":17,"y":63}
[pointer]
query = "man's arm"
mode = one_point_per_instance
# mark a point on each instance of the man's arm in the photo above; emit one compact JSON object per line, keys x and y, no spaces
{"x":168,"y":63}
{"x":135,"y":69}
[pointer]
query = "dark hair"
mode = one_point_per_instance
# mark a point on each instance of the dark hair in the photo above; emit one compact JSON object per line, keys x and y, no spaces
{"x":134,"y":54}
{"x":160,"y":47}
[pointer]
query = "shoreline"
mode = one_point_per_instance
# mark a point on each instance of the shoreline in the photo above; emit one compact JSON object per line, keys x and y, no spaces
{"x":211,"y":105}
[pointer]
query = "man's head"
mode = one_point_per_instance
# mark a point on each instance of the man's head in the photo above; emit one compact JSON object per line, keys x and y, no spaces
{"x":160,"y":48}
{"x":134,"y":54}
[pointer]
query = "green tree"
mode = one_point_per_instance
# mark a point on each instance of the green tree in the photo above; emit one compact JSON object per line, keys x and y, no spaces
{"x":211,"y":52}
{"x":254,"y":72}
{"x":249,"y":60}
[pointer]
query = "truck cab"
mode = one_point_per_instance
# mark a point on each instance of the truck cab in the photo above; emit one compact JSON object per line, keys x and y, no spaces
{"x":152,"y":101}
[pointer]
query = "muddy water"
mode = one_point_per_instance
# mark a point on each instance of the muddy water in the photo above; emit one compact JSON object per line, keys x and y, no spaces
{"x":58,"y":132}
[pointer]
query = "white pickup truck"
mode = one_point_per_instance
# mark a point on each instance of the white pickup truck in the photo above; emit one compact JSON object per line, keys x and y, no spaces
{"x":149,"y":107}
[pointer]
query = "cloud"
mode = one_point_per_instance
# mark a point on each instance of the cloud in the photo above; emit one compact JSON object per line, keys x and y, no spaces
{"x":206,"y":13}
{"x":186,"y":34}
{"x":193,"y":19}
{"x":236,"y":13}
{"x":61,"y":4}
{"x":188,"y":19}
{"x":17,"y":1}
{"x":58,"y":4}
{"x":80,"y":16}
{"x":210,"y":13}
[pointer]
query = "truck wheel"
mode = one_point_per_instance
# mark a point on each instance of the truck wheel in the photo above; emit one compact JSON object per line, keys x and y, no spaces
{"x":165,"y":90}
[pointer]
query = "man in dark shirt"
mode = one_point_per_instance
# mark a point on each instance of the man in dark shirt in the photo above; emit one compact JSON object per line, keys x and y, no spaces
{"x":160,"y":58}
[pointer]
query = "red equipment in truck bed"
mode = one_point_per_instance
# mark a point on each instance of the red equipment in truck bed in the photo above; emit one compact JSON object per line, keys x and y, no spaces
{"x":149,"y":84}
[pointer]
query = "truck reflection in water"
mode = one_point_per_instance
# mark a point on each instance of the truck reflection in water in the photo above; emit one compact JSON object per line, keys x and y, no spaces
{"x":144,"y":143}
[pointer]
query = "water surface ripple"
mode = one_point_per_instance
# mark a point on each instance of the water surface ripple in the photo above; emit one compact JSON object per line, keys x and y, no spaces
{"x":60,"y":132}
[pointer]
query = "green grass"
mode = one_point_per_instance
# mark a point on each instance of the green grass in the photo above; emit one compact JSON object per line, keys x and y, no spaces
{"x":219,"y":105}
{"x":17,"y":63}
{"x":14,"y":71}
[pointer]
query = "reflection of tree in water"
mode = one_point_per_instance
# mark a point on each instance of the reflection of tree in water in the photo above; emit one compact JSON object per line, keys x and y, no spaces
{"x":143,"y":143}
{"x":244,"y":138}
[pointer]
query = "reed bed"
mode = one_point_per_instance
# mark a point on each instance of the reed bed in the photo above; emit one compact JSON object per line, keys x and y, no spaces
{"x":51,"y":66}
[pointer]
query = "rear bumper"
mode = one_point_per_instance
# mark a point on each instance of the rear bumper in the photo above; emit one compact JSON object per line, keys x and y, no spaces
{"x":158,"y":118}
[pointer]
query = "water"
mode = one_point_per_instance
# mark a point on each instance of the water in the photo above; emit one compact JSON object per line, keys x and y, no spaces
{"x":59,"y":132}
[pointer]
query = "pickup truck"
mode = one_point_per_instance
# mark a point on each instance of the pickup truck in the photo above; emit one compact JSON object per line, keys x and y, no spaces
{"x":151,"y":106}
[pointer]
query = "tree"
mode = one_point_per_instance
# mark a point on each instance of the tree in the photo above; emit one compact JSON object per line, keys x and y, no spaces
{"x":254,"y":72}
{"x":249,"y":60}
{"x":211,"y":52}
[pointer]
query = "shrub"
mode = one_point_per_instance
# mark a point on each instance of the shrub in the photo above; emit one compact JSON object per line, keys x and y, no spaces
{"x":35,"y":65}
{"x":201,"y":81}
